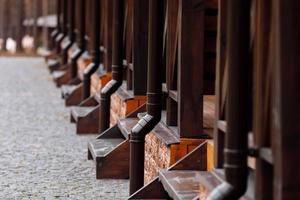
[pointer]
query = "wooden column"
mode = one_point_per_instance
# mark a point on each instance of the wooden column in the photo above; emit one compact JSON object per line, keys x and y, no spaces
{"x":286,"y":106}
{"x":82,"y":30}
{"x":190,"y":67}
{"x":35,"y":8}
{"x":221,"y":85}
{"x":96,"y":33}
{"x":65,"y":17}
{"x":45,"y":27}
{"x":128,"y":41}
{"x":2,"y":4}
{"x":19,"y":23}
{"x":71,"y":20}
{"x":173,"y":12}
{"x":140,"y":44}
{"x":3,"y":19}
{"x":262,"y":97}
{"x":107,"y":34}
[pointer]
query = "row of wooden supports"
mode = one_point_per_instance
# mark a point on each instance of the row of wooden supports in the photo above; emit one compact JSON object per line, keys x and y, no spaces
{"x":168,"y":43}
{"x":26,"y":18}
{"x":11,"y":22}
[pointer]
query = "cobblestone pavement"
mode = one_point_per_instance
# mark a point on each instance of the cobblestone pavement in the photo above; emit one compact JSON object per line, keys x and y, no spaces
{"x":41,"y":157}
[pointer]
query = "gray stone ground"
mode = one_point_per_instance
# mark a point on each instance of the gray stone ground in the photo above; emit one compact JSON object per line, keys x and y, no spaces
{"x":41,"y":157}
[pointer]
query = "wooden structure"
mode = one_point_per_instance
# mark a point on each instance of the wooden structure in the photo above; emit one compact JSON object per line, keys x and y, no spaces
{"x":32,"y":18}
{"x":192,"y":99}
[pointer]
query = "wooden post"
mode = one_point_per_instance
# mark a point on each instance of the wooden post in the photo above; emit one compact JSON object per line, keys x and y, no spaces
{"x":35,"y":8}
{"x":81,"y":39}
{"x":2,"y":22}
{"x":128,"y":40}
{"x":6,"y":26}
{"x":57,"y":31}
{"x":108,"y":35}
{"x":140,"y":44}
{"x":65,"y":17}
{"x":82,"y":31}
{"x":71,"y":13}
{"x":262,"y":97}
{"x":46,"y":25}
{"x":19,"y":24}
{"x":96,"y":32}
{"x":92,"y":67}
{"x":220,"y":86}
{"x":286,"y":107}
{"x":190,"y":67}
{"x":2,"y":4}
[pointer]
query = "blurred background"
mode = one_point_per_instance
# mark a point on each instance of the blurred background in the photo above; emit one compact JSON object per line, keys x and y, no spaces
{"x":26,"y":24}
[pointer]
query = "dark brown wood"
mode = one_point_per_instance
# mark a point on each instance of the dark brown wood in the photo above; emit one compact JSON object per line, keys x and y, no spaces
{"x":72,"y":94}
{"x":262,"y":97}
{"x":154,"y":92}
{"x":61,"y":77}
{"x":95,"y":52}
{"x":183,"y":65}
{"x":19,"y":15}
{"x":238,"y":106}
{"x":81,"y":41}
{"x":125,"y":125}
{"x":111,"y":157}
{"x":66,"y":90}
{"x":195,"y":160}
{"x":191,"y":51}
{"x":6,"y":23}
{"x":181,"y":184}
{"x":179,"y":180}
{"x":220,"y":91}
{"x":140,"y":44}
{"x":86,"y":119}
{"x":91,"y":101}
{"x":171,"y":47}
{"x":153,"y":190}
{"x":2,"y":17}
{"x":107,"y":11}
{"x":165,"y":134}
{"x":89,"y":37}
{"x":128,"y":40}
{"x":117,"y":65}
{"x":285,"y":107}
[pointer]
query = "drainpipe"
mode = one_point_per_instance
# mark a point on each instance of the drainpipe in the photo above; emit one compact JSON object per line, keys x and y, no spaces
{"x":92,"y":68}
{"x":117,"y":64}
{"x":154,"y":96}
{"x":71,"y":6}
{"x":238,"y":109}
{"x":81,"y":43}
{"x":56,"y":32}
